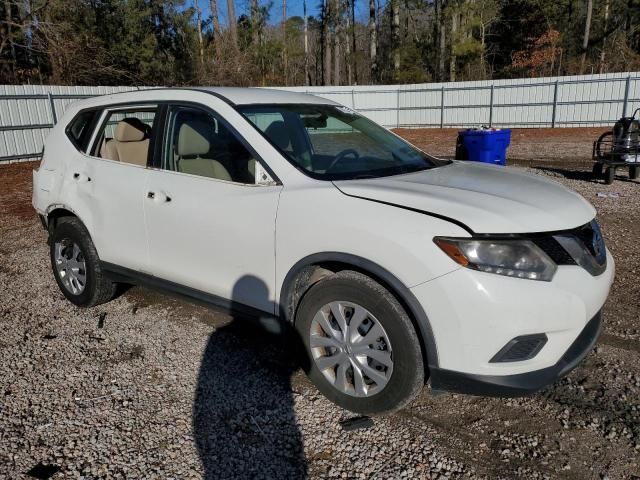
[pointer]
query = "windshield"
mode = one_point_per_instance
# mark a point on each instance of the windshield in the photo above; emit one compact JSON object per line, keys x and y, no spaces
{"x":335,"y":143}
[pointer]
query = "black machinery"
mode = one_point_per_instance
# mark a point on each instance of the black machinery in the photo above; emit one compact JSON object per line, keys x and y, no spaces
{"x":618,"y":148}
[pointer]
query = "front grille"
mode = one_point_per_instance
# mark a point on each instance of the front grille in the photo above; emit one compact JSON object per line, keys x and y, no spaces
{"x":520,"y":348}
{"x":591,"y":237}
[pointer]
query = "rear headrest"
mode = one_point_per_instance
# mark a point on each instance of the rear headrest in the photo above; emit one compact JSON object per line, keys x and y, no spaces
{"x":130,"y":130}
{"x":278,"y":134}
{"x":194,"y":138}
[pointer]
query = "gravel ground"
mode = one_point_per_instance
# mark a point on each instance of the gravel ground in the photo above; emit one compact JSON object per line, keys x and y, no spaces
{"x":149,"y":386}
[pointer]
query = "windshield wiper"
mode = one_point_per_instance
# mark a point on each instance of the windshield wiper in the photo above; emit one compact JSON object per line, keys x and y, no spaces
{"x":363,"y":176}
{"x":415,"y":168}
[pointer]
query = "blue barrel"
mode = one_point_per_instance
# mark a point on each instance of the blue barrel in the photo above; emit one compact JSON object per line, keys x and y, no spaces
{"x":488,"y":146}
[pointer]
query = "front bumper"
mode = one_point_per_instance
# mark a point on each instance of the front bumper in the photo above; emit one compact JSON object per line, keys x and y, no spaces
{"x":523,"y":383}
{"x":473,"y":315}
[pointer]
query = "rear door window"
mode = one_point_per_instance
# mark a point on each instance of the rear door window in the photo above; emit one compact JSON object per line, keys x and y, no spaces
{"x":126,"y":135}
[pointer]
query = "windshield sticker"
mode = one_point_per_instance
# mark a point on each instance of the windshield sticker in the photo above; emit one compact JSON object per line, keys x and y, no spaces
{"x":346,"y":110}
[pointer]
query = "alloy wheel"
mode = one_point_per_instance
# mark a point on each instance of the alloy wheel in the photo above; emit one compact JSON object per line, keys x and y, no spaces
{"x":351,"y":349}
{"x":71,"y":266}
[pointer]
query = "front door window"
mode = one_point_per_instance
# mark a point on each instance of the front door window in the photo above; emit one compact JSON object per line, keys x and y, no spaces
{"x":200,"y":143}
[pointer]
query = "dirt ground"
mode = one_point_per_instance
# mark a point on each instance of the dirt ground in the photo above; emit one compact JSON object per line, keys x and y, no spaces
{"x":109,"y":392}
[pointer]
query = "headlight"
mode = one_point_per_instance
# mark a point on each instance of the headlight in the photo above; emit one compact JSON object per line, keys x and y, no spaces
{"x":512,"y":258}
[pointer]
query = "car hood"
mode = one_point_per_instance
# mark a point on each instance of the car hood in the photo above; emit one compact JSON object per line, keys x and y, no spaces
{"x":485,"y":198}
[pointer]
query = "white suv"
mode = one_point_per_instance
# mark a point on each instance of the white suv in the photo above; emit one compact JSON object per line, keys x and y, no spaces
{"x":394,"y":267}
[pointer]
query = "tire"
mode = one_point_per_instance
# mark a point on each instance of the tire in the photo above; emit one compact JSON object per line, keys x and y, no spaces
{"x":634,"y":172}
{"x":597,"y":170}
{"x":91,"y":286}
{"x":610,"y":175}
{"x":405,"y":376}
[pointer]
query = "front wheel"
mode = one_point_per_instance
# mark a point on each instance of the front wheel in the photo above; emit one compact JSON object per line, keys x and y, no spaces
{"x":634,"y":172}
{"x":363,"y":351}
{"x":76,"y":266}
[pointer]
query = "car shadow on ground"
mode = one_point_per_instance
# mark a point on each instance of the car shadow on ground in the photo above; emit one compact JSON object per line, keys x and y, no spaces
{"x":244,"y":423}
{"x":582,"y":175}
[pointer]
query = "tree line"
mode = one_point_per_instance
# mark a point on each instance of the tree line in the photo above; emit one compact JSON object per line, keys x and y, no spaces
{"x":170,"y":42}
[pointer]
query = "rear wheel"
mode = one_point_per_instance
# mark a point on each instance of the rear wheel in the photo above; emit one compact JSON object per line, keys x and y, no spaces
{"x":597,"y":170}
{"x":634,"y":172}
{"x":363,"y":351}
{"x":76,"y":265}
{"x":610,"y":175}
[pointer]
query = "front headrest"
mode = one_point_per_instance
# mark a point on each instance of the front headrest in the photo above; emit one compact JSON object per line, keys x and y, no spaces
{"x":278,"y":134}
{"x":194,"y":138}
{"x":130,"y":129}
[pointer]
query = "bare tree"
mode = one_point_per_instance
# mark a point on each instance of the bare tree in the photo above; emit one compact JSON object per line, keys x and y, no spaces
{"x":347,"y":46}
{"x":628,"y":21}
{"x":306,"y":43}
{"x":7,"y":34}
{"x":585,"y":40}
{"x":354,"y":60}
{"x":452,"y":54}
{"x":336,"y":18}
{"x":285,"y":59}
{"x":233,"y":27}
{"x":395,"y":33}
{"x":255,"y":21}
{"x":199,"y":29}
{"x":604,"y":38}
{"x":442,"y":34}
{"x":326,"y":43}
{"x":213,"y":5}
{"x":21,"y":32}
{"x":373,"y":41}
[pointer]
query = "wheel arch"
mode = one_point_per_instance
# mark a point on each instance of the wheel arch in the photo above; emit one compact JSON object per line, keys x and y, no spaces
{"x":57,"y":211}
{"x":311,"y":269}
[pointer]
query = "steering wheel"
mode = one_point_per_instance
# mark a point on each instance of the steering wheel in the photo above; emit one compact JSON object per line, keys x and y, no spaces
{"x":341,"y":156}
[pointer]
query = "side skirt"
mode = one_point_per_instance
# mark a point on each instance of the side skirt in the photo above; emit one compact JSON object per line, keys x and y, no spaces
{"x":125,"y":275}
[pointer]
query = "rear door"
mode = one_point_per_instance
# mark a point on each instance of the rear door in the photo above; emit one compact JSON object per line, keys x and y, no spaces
{"x":210,"y":210}
{"x":109,"y":184}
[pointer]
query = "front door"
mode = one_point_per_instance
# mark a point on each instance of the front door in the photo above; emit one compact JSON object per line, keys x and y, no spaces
{"x":210,"y":211}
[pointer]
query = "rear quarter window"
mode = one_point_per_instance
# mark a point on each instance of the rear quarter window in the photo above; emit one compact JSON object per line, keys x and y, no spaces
{"x":79,"y":129}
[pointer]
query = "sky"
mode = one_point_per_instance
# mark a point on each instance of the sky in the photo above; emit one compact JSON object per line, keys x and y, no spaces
{"x":294,"y":8}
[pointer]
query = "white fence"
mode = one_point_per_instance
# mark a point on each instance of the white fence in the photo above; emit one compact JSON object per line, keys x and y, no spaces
{"x":28,"y":112}
{"x":587,"y":100}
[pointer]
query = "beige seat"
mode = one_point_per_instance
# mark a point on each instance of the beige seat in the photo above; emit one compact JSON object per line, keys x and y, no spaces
{"x":130,"y":143}
{"x":194,"y":143}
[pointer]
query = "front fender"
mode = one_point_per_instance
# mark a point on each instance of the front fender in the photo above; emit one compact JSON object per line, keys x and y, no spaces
{"x":288,"y":303}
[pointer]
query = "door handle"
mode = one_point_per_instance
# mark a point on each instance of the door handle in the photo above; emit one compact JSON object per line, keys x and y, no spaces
{"x":158,"y":197}
{"x":81,"y":177}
